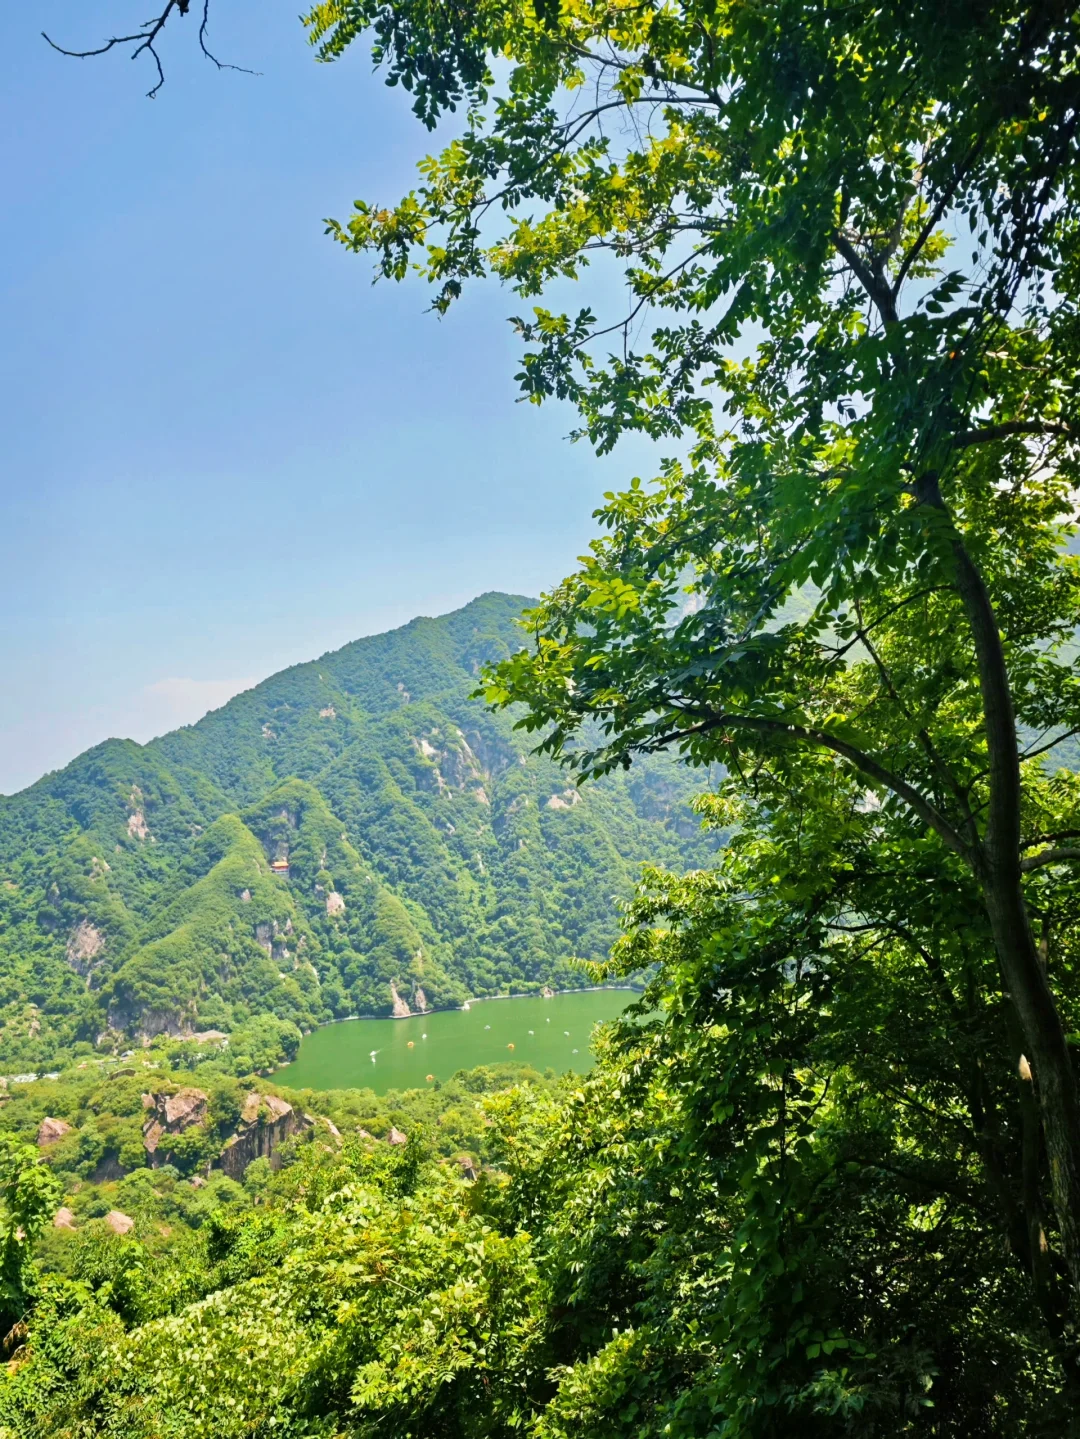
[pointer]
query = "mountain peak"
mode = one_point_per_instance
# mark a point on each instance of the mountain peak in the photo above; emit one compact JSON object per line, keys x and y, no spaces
{"x":349,"y":833}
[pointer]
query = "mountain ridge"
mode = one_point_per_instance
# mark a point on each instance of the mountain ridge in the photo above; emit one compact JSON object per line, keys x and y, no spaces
{"x":429,"y":855}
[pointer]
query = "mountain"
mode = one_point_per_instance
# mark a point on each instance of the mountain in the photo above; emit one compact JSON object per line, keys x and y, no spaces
{"x":422,"y":855}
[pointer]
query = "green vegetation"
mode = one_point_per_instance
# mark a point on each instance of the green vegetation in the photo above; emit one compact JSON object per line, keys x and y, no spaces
{"x":428,"y":856}
{"x":827,"y":1181}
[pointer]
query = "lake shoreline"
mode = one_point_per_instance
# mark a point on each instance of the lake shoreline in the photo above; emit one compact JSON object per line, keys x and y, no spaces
{"x":478,"y":999}
{"x":439,"y":1043}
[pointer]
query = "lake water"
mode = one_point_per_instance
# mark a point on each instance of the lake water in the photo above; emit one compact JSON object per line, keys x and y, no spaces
{"x":546,"y":1033}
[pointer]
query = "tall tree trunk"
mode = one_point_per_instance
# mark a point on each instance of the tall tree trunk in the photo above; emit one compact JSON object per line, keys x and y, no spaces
{"x":997,"y":865}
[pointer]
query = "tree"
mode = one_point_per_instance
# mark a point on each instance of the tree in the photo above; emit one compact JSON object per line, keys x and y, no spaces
{"x":858,"y":224}
{"x":30,"y":1193}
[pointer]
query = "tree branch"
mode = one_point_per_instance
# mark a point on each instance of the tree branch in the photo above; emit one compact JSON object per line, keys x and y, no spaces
{"x":1054,"y":855}
{"x":144,"y":40}
{"x":944,"y":201}
{"x":864,"y":763}
{"x":873,"y":283}
{"x":1010,"y":427}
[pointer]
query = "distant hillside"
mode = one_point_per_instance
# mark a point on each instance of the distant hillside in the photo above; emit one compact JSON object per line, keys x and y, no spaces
{"x":429,"y":857}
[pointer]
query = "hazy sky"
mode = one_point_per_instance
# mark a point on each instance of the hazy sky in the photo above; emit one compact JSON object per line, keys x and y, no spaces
{"x":224,"y":450}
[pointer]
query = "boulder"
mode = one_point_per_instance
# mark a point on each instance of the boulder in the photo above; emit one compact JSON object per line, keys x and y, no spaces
{"x":396,"y":1137}
{"x":50,"y":1131}
{"x":171,"y":1114}
{"x":118,"y":1222}
{"x":265,"y":1123}
{"x":64,"y":1219}
{"x":467,"y":1168}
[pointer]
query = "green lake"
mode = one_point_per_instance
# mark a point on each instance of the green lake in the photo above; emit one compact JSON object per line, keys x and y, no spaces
{"x":382,"y":1054}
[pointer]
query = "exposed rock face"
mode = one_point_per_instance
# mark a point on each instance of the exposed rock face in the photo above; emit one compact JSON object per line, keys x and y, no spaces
{"x":152,"y":1022}
{"x":63,"y":1219}
{"x":396,"y":1137}
{"x":334,"y":903}
{"x":171,"y":1114}
{"x":567,"y":800}
{"x":265,"y":1123}
{"x":401,"y":1008}
{"x":547,"y":992}
{"x":51,"y":1130}
{"x":119,"y":1222}
{"x":420,"y":1000}
{"x":492,"y":753}
{"x":454,"y":765}
{"x":85,"y":943}
{"x":270,"y":938}
{"x":467,"y":1168}
{"x":183,"y":1109}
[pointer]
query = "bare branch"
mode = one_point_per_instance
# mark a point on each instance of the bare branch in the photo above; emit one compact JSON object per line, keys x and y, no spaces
{"x":221,"y":64}
{"x":145,"y":39}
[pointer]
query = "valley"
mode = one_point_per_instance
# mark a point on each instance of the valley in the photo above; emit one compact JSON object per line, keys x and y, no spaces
{"x":354,"y":836}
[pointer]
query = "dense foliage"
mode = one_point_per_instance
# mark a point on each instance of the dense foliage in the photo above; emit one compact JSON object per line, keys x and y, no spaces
{"x":827,"y":1181}
{"x":734,"y":1225}
{"x":428,"y":857}
{"x":854,"y":228}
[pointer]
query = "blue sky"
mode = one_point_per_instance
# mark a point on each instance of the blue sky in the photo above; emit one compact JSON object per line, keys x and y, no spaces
{"x":224,"y":450}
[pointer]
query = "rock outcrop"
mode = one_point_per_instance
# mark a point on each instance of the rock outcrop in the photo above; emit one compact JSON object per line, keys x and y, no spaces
{"x":119,"y":1222}
{"x":396,"y":1136}
{"x":85,"y":944}
{"x":265,"y":1123}
{"x":50,"y":1131}
{"x":63,"y":1218}
{"x":567,"y":800}
{"x":170,"y":1115}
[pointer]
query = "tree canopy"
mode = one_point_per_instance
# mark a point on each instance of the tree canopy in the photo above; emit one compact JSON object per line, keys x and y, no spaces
{"x":848,"y":234}
{"x":827,"y":1180}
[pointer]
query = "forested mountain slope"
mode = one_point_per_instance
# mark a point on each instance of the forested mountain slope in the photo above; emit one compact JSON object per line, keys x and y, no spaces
{"x":430,"y":857}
